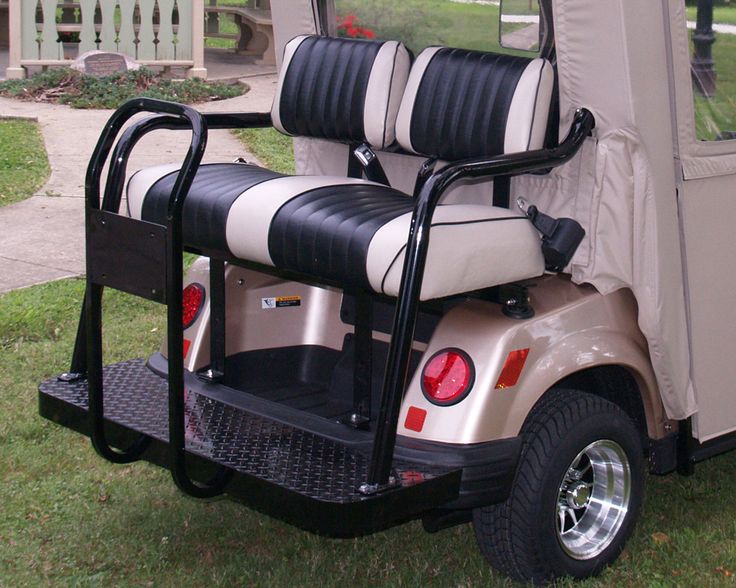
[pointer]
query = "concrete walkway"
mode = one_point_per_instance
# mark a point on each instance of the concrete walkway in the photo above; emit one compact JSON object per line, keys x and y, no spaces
{"x":42,"y":238}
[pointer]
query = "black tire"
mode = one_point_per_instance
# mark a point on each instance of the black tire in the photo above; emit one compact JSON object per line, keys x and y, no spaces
{"x":529,"y":537}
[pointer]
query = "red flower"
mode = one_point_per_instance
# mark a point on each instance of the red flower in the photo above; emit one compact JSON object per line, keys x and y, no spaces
{"x":347,"y":26}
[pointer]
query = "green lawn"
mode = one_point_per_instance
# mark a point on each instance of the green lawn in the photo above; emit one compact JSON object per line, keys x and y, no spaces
{"x":420,"y":23}
{"x":721,"y":14}
{"x":274,"y":150}
{"x":719,"y":113}
{"x":24,"y":166}
{"x":69,"y":518}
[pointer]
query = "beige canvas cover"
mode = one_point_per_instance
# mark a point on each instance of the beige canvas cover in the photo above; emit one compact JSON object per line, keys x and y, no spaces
{"x":613,"y":60}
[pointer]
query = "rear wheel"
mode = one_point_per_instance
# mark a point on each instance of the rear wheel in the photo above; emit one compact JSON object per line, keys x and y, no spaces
{"x":576,"y":495}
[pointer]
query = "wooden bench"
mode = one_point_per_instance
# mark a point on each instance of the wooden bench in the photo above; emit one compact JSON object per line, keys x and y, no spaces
{"x":255,"y":31}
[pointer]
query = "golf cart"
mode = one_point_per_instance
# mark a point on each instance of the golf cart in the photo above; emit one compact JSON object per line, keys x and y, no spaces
{"x":490,"y":293}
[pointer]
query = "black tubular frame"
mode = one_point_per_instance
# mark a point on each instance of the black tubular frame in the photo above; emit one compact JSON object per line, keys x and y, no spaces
{"x":430,"y":187}
{"x":87,"y":358}
{"x":402,"y":334}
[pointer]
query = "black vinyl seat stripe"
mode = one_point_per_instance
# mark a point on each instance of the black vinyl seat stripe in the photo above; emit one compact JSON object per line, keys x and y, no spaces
{"x":442,"y":224}
{"x":326,"y":232}
{"x":448,"y":119}
{"x":324,"y":89}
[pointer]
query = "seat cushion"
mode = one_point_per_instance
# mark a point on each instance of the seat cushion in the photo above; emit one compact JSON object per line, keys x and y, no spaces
{"x":348,"y":231}
{"x":472,"y":246}
{"x":460,"y":104}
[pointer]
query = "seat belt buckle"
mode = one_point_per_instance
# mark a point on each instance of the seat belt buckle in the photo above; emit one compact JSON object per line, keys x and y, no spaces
{"x":364,"y":154}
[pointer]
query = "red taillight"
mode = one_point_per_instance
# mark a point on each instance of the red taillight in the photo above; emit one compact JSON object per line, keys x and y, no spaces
{"x":192,"y":301}
{"x":447,"y":377}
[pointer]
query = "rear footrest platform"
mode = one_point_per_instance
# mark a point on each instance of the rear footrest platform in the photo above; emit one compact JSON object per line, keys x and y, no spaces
{"x":307,"y":480}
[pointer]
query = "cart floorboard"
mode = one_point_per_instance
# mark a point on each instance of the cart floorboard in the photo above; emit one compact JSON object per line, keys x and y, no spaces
{"x":292,"y":474}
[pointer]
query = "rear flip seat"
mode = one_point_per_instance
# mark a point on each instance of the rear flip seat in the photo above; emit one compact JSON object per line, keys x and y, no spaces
{"x":454,"y":104}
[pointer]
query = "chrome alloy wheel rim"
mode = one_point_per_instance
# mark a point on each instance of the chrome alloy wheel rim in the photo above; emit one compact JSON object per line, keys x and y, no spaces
{"x":593,"y":499}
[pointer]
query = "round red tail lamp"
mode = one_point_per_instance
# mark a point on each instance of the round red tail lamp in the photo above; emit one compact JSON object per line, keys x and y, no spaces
{"x":192,"y":303}
{"x":448,"y":377}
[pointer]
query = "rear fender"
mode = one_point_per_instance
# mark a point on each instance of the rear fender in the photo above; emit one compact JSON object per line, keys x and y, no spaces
{"x":574,"y":329}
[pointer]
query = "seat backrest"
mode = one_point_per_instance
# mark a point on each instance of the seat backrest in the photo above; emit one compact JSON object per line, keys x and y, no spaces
{"x":342,"y":89}
{"x":460,"y":104}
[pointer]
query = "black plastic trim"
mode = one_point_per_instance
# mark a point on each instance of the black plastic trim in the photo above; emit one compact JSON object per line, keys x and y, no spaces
{"x":488,"y":469}
{"x":663,"y":454}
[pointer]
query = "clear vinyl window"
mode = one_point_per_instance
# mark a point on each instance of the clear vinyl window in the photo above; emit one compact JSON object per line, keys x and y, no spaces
{"x":467,"y":24}
{"x":712,"y":31}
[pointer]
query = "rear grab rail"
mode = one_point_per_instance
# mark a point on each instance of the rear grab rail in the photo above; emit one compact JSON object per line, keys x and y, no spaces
{"x":175,"y":116}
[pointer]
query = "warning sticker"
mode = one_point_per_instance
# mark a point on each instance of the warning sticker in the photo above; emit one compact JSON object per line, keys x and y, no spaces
{"x":280,"y":302}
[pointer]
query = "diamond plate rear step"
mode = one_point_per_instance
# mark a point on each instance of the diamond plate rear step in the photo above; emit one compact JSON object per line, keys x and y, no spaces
{"x":294,"y":475}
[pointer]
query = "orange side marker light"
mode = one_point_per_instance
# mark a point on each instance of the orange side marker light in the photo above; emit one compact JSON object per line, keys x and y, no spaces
{"x":512,"y":369}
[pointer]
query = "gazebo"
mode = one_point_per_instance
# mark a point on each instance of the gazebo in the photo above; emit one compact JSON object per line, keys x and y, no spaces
{"x":166,"y":33}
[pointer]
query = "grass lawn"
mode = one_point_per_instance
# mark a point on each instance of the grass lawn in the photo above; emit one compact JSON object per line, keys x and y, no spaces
{"x":719,"y":113}
{"x":721,"y":14}
{"x":420,"y":23}
{"x":24,"y":166}
{"x":273,"y":149}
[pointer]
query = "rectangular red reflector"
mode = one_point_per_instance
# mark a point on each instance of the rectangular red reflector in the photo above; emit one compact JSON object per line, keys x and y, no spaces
{"x":415,"y":419}
{"x":512,"y":369}
{"x":187,"y":345}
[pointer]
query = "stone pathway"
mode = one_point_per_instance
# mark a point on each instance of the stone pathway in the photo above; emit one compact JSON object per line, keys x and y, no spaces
{"x":42,"y":238}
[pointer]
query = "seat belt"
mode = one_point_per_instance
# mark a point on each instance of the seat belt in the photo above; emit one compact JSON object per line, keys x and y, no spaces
{"x":560,"y":236}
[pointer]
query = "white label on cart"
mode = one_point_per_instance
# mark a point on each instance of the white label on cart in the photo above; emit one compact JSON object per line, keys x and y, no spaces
{"x":280,"y":302}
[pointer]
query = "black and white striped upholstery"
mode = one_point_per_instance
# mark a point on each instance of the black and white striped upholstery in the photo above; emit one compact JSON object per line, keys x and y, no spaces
{"x":342,"y":89}
{"x":353,"y":232}
{"x":460,"y":103}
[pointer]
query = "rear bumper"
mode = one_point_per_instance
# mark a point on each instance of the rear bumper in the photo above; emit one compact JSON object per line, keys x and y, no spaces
{"x":488,"y":469}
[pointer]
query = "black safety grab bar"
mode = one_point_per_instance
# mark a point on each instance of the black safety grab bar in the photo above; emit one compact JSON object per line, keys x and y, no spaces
{"x":116,"y":183}
{"x":134,"y":133}
{"x":402,"y":334}
{"x":177,"y":116}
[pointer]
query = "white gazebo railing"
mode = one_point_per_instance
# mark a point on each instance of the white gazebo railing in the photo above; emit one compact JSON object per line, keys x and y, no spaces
{"x":153,"y":32}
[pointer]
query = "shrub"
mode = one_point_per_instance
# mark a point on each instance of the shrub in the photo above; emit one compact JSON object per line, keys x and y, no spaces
{"x":67,"y":86}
